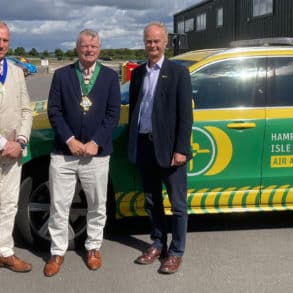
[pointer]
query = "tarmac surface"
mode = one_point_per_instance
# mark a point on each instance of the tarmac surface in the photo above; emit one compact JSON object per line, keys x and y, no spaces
{"x":39,"y":85}
{"x":224,"y":254}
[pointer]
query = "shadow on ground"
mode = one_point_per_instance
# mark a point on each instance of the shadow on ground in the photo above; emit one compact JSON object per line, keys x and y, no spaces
{"x":211,"y":222}
{"x":124,"y":230}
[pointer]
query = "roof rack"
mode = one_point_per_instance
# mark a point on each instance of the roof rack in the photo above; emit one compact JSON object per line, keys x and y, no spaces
{"x":281,"y":41}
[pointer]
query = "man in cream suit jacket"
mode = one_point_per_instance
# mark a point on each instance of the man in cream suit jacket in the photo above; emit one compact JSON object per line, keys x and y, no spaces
{"x":15,"y":128}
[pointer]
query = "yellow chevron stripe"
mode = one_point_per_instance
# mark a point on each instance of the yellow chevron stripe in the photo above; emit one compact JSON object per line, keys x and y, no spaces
{"x":290,"y":195}
{"x":252,"y":195}
{"x":196,"y":198}
{"x":216,"y":200}
{"x":279,"y":193}
{"x":266,"y":193}
{"x":237,"y":200}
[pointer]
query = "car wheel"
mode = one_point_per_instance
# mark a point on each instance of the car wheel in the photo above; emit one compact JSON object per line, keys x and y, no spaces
{"x":34,"y":210}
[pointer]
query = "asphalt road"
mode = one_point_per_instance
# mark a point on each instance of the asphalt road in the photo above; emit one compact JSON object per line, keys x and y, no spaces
{"x":225,"y":253}
{"x":250,"y":253}
{"x":38,"y":85}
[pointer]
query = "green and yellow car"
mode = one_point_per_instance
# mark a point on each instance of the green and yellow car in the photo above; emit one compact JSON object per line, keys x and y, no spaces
{"x":242,"y":143}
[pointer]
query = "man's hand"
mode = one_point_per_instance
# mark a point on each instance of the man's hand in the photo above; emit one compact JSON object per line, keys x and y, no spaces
{"x":76,"y":147}
{"x":12,"y":150}
{"x":91,"y":149}
{"x":178,"y":159}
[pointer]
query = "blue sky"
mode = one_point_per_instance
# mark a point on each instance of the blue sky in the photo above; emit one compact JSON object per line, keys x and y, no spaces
{"x":47,"y":25}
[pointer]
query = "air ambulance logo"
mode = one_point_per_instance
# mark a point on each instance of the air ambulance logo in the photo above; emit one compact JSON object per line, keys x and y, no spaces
{"x":212,"y":151}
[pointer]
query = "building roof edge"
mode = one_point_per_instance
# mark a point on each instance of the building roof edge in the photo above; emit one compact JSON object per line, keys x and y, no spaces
{"x":192,"y":6}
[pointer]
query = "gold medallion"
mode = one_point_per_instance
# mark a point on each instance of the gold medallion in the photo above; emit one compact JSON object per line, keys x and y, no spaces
{"x":85,"y":103}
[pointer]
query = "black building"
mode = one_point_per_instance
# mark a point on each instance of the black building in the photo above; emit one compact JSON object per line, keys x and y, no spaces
{"x":215,"y":23}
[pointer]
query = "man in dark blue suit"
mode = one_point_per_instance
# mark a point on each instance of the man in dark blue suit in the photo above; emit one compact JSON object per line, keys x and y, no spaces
{"x":160,"y":124}
{"x":83,"y":109}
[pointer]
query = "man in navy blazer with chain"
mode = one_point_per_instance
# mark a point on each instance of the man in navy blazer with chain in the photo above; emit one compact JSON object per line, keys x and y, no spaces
{"x":83,"y":109}
{"x":160,"y":124}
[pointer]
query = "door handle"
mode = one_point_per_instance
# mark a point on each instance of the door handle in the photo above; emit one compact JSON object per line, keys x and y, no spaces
{"x":241,"y":125}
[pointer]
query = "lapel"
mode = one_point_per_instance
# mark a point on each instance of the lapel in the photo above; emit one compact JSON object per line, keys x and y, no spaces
{"x":98,"y":81}
{"x":162,"y":79}
{"x":10,"y":81}
{"x":74,"y":81}
{"x":141,"y":75}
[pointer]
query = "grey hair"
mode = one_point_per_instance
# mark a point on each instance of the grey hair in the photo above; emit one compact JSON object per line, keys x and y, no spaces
{"x":3,"y":24}
{"x":157,"y":24}
{"x":89,"y":32}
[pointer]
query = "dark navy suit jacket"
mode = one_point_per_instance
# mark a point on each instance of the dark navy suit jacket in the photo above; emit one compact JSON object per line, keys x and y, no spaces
{"x":66,"y":115}
{"x":172,"y":112}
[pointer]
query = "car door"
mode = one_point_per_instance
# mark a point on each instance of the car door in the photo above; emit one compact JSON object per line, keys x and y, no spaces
{"x":277,"y":166}
{"x":228,"y":135}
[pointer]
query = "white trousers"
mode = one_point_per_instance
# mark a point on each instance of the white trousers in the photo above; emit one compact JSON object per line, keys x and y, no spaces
{"x":63,"y":175}
{"x":10,"y":172}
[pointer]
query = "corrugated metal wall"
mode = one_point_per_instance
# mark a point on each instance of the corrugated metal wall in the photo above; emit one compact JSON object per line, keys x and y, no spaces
{"x":276,"y":25}
{"x":238,"y":22}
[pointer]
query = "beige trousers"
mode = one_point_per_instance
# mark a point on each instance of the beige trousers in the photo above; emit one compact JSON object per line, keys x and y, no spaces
{"x":10,"y":172}
{"x":63,"y":175}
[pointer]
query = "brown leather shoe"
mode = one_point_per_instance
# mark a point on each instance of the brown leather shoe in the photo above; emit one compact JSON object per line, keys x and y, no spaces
{"x":149,"y":256}
{"x":53,"y":265}
{"x":15,"y":264}
{"x":170,"y":265}
{"x":94,"y":260}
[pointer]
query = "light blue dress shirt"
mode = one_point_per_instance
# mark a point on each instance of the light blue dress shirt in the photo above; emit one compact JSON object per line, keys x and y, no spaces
{"x":149,"y":86}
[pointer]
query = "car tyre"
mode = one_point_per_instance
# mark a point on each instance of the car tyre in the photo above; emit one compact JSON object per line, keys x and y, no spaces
{"x":34,"y":210}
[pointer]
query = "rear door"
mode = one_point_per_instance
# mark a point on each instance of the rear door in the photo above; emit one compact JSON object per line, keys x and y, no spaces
{"x":228,"y":135}
{"x":277,"y":170}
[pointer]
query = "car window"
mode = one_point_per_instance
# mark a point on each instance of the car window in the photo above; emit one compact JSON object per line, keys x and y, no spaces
{"x":280,"y":81}
{"x":229,"y":83}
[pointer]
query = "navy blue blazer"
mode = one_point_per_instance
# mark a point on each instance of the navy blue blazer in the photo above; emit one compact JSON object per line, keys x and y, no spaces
{"x":172,"y":112}
{"x":66,"y":115}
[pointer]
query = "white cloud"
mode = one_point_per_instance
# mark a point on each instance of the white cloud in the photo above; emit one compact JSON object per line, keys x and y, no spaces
{"x":50,"y":27}
{"x":68,"y":45}
{"x":46,"y":25}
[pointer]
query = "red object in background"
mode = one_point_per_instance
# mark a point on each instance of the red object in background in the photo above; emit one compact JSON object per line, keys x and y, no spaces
{"x":129,"y":67}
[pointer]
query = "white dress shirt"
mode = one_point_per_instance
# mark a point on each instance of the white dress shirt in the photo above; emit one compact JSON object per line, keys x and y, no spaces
{"x":149,"y":87}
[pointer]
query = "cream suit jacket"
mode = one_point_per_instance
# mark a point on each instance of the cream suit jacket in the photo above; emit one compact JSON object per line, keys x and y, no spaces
{"x":15,"y":106}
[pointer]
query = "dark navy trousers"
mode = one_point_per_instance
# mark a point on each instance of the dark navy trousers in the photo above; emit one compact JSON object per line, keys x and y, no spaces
{"x":175,"y":181}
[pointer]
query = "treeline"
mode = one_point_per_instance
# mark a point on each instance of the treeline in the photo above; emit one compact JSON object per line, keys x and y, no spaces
{"x":106,"y":54}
